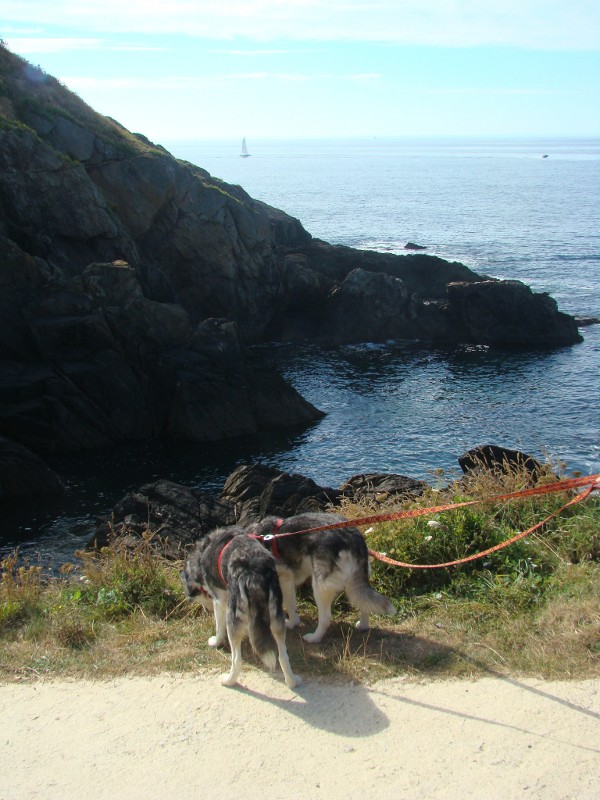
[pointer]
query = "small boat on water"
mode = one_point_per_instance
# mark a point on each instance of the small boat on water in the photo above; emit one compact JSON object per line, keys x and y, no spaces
{"x":244,"y":153}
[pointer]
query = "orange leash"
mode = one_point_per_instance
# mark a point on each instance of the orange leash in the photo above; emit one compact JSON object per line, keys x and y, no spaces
{"x":512,"y":540}
{"x":591,"y":481}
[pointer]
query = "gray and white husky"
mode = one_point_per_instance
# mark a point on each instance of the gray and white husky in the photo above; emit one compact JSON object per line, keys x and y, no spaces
{"x":233,"y":575}
{"x":337,"y":560}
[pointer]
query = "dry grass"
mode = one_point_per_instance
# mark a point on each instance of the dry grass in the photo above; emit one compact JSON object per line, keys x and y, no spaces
{"x":535,"y":610}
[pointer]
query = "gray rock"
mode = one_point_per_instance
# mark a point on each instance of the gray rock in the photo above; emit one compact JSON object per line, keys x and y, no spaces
{"x":175,"y":516}
{"x":131,"y":283}
{"x":494,"y":458}
{"x":507,"y":313}
{"x":23,"y":474}
{"x":379,"y":485}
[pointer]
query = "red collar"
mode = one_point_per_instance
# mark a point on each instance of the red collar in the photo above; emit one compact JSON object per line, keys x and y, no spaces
{"x":271,"y":538}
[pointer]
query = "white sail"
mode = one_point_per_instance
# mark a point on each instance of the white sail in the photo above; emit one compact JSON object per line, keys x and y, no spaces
{"x":244,"y":153}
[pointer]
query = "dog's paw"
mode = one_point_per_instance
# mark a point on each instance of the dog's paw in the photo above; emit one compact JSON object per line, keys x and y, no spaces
{"x":292,"y":622}
{"x":227,"y":680}
{"x":362,"y":626}
{"x":312,"y":638}
{"x":213,"y":642}
{"x":296,"y":680}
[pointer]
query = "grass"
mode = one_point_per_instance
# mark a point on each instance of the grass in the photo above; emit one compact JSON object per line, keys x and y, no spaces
{"x":530,"y":609}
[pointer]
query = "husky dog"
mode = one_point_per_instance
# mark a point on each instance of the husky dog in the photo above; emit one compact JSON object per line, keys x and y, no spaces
{"x":337,"y":560}
{"x":233,"y":575}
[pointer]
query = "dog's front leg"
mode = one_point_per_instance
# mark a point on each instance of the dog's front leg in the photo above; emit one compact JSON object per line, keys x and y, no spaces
{"x":220,"y":611}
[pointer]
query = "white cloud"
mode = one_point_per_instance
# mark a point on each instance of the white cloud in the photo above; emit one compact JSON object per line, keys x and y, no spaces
{"x":78,"y":83}
{"x":553,"y":24}
{"x":251,"y":53}
{"x":25,"y":45}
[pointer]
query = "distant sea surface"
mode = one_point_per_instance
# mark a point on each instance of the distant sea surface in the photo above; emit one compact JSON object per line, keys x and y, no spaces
{"x":496,"y":205}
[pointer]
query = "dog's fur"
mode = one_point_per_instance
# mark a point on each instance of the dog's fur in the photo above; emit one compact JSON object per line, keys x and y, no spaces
{"x":250,"y":604}
{"x":337,"y":560}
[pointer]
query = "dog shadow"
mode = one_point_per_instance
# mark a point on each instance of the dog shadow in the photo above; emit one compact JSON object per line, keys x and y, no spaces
{"x":346,"y":707}
{"x":333,"y":696}
{"x":345,"y":710}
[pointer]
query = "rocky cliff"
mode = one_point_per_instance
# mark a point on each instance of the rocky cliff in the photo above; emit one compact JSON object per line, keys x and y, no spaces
{"x":131,"y":283}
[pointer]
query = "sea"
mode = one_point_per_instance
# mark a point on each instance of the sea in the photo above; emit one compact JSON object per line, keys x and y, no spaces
{"x":524,"y":209}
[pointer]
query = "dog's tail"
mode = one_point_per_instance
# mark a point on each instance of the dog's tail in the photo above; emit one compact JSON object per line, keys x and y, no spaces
{"x":362,"y":595}
{"x":262,"y":617}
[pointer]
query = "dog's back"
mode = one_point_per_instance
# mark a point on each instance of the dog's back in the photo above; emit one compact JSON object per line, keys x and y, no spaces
{"x":240,"y":577}
{"x":336,"y":559}
{"x":255,"y":595}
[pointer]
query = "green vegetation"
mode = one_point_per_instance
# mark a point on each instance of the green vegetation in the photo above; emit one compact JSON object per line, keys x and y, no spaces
{"x":532,"y":608}
{"x":31,"y":92}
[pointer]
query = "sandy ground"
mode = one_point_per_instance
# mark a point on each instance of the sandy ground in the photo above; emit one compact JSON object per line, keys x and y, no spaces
{"x":182,"y":736}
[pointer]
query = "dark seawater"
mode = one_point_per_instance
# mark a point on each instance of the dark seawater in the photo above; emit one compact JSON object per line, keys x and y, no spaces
{"x":495,"y":205}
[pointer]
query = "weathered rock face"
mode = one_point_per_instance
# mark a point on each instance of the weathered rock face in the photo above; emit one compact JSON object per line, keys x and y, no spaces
{"x":178,"y":515}
{"x":23,"y":474}
{"x":89,"y":360}
{"x":130,"y":283}
{"x":496,"y":459}
{"x":507,"y":313}
{"x":175,"y":515}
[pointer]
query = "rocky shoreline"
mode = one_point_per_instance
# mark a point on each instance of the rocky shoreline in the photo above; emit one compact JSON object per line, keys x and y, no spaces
{"x":132,"y":283}
{"x":175,"y":516}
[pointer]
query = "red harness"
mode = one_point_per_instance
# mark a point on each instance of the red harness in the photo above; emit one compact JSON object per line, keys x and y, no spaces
{"x":271,"y":538}
{"x":220,"y":562}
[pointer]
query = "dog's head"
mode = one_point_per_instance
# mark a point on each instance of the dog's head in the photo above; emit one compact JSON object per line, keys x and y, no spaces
{"x":194,"y":589}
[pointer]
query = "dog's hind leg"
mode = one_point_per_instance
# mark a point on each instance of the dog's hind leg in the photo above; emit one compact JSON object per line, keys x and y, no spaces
{"x":288,"y":590}
{"x":278,"y":631}
{"x":220,"y":612}
{"x":235,"y":634}
{"x":364,"y":623}
{"x":324,"y":597}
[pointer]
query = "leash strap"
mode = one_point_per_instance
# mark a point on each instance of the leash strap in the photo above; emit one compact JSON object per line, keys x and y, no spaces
{"x":271,"y":538}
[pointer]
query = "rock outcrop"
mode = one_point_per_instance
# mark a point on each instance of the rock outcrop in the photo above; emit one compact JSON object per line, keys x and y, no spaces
{"x":23,"y":474}
{"x":178,"y":515}
{"x":131,"y":282}
{"x":495,"y":459}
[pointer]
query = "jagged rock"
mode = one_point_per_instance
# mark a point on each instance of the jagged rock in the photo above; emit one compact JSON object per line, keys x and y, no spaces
{"x":181,"y":515}
{"x":101,"y":363}
{"x":379,"y":485}
{"x":367,"y":307}
{"x":23,"y":474}
{"x":507,"y":313}
{"x":131,"y":282}
{"x":583,"y":322}
{"x":257,"y":491}
{"x":176,"y":515}
{"x":494,"y":458}
{"x":413,"y":246}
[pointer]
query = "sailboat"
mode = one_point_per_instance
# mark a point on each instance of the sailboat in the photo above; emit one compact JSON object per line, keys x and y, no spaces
{"x":244,"y":153}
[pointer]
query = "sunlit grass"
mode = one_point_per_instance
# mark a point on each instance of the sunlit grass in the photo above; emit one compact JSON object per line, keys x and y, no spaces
{"x":533,"y":608}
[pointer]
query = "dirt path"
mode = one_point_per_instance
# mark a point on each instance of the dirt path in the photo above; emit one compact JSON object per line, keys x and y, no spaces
{"x":182,"y":737}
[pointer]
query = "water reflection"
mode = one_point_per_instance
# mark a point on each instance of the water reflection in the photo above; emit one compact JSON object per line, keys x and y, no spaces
{"x":400,"y":407}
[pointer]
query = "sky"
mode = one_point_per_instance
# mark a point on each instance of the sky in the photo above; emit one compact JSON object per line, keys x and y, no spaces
{"x":223,"y":69}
